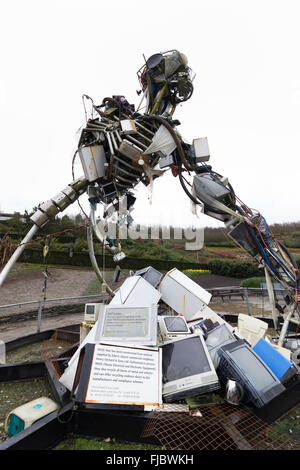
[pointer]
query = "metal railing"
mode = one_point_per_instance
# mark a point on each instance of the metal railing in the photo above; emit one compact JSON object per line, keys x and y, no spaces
{"x":42,"y":302}
{"x":245,"y":296}
{"x":217,"y":292}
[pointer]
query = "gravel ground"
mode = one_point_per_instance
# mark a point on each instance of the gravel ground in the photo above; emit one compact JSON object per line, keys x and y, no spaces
{"x":24,"y":286}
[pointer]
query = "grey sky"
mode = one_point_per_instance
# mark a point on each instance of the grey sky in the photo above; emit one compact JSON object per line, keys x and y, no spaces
{"x":246,"y":93}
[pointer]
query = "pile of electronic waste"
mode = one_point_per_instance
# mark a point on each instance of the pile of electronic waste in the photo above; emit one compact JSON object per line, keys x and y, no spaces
{"x":157,"y":343}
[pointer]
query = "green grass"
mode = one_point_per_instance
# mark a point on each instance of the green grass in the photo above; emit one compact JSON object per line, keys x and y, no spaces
{"x":25,"y":268}
{"x":253,"y":282}
{"x":83,"y":443}
{"x":33,"y":352}
{"x":32,"y":268}
{"x":285,"y":429}
{"x":94,"y":287}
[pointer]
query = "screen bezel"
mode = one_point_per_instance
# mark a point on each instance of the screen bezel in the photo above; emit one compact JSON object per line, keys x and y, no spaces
{"x":88,"y":307}
{"x":191,"y":382}
{"x":169,"y":332}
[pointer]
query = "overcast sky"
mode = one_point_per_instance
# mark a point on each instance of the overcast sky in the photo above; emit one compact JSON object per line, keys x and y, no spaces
{"x":246,"y":98}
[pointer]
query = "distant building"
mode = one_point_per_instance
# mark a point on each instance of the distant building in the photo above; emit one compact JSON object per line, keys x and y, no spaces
{"x":4,"y":216}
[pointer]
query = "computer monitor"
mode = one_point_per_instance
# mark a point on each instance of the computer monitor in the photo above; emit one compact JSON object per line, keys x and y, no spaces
{"x":283,"y":368}
{"x":242,"y":234}
{"x":216,"y":338}
{"x":187,"y":369}
{"x":151,"y":275}
{"x":91,"y":312}
{"x":239,"y":362}
{"x":172,"y":327}
{"x":126,"y":324}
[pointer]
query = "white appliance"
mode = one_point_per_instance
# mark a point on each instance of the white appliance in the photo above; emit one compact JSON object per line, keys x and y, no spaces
{"x":183,"y":294}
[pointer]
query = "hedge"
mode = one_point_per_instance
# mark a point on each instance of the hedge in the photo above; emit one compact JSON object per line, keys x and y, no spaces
{"x":230,"y":268}
{"x":234,"y":268}
{"x":83,"y":259}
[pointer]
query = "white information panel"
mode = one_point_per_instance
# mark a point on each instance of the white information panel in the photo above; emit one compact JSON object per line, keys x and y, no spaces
{"x":123,"y":324}
{"x":124,"y":375}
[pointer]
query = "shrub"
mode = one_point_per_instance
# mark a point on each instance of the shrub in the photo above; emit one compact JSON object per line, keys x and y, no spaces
{"x":195,"y":272}
{"x":253,"y":282}
{"x":234,"y":268}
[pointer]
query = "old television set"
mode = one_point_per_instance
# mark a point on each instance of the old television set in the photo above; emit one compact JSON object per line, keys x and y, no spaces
{"x":151,"y":275}
{"x":239,"y":362}
{"x":172,"y":326}
{"x":128,"y":324}
{"x":91,"y":312}
{"x":187,"y":369}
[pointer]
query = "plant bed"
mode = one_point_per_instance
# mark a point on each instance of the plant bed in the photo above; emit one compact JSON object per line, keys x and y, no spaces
{"x":79,"y":442}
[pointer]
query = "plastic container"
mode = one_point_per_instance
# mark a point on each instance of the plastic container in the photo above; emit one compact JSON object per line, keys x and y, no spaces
{"x":251,"y":329}
{"x":25,"y":415}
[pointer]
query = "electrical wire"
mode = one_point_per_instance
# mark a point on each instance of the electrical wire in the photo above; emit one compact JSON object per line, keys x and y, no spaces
{"x":249,"y":219}
{"x":218,"y":179}
{"x":270,"y":248}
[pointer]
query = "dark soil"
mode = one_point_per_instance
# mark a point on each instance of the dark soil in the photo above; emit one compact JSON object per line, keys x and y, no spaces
{"x":209,"y":281}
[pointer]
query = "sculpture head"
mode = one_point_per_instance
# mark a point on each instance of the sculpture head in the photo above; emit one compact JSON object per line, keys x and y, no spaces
{"x":166,"y":80}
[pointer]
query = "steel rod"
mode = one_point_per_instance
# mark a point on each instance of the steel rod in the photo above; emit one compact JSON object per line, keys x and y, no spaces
{"x":17,"y":253}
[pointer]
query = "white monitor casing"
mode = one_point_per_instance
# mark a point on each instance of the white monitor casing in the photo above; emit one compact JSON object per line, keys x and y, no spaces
{"x":194,"y":384}
{"x":168,"y":334}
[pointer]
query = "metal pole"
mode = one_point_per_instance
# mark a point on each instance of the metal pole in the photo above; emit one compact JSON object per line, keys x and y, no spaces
{"x":17,"y":253}
{"x":39,"y":316}
{"x":94,"y":261}
{"x":285,"y":328}
{"x":247,"y":300}
{"x":271,"y":298}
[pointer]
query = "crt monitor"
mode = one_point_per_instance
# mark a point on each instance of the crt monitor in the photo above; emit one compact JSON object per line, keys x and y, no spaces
{"x":151,"y":275}
{"x":91,"y":312}
{"x":239,"y":362}
{"x":127,"y":324}
{"x":187,"y":369}
{"x":172,"y":326}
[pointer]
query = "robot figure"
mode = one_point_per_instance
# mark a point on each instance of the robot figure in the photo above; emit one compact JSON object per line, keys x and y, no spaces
{"x":120,"y":147}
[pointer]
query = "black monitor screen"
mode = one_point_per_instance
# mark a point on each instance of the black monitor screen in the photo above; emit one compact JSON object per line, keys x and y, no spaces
{"x":242,"y":235}
{"x":153,"y":277}
{"x":256,"y":372}
{"x":90,"y":309}
{"x":176,"y":325}
{"x":183,"y":358}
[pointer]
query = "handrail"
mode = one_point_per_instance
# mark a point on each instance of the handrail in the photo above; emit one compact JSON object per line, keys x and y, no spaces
{"x":19,"y":304}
